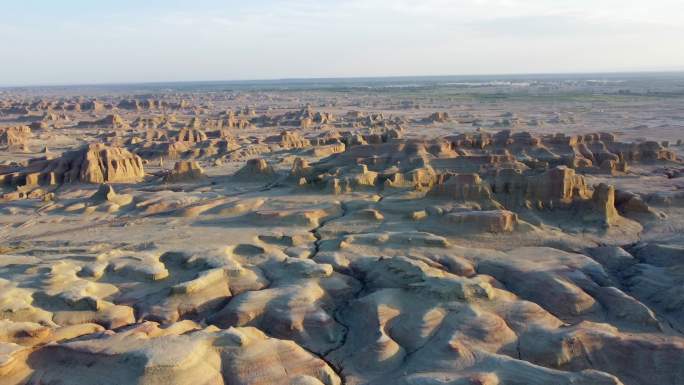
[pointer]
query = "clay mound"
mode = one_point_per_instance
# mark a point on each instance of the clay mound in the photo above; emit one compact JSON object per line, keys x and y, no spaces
{"x":129,"y":104}
{"x":191,"y":135}
{"x":92,"y":105}
{"x":438,"y":117}
{"x":164,"y":150}
{"x":180,"y":354}
{"x":145,"y":123}
{"x":256,"y":169}
{"x":96,"y":163}
{"x":325,"y":150}
{"x":185,"y":171}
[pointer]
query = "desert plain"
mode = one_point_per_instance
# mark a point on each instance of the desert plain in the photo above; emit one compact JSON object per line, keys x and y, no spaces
{"x":480,"y":231}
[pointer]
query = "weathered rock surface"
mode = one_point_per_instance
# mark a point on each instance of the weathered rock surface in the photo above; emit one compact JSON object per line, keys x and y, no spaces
{"x":96,"y":163}
{"x":15,"y":137}
{"x":342,"y":236}
{"x":185,"y":171}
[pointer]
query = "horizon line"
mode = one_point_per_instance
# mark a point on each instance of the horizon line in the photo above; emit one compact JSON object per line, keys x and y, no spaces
{"x":333,"y":78}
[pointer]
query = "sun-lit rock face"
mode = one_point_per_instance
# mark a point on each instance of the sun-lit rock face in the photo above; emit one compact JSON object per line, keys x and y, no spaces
{"x":15,"y":137}
{"x":95,"y":163}
{"x":556,"y":187}
{"x":289,"y":140}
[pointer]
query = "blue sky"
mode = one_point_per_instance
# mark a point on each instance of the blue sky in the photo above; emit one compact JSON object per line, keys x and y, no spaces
{"x":78,"y":41}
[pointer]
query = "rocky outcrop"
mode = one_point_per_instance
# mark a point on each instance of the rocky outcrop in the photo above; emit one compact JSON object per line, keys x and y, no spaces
{"x":177,"y":355}
{"x":163,"y":150}
{"x":603,"y":205}
{"x":419,"y":178}
{"x":106,"y":193}
{"x":438,"y":117}
{"x":557,"y":187}
{"x":113,"y":121}
{"x":191,"y":135}
{"x":288,"y":140}
{"x":256,"y":169}
{"x":96,"y":163}
{"x":356,"y":178}
{"x":633,"y":206}
{"x":15,"y":137}
{"x":185,"y":171}
{"x":465,"y":188}
{"x":493,"y":221}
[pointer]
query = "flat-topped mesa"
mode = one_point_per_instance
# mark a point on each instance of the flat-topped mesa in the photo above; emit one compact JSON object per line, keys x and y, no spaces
{"x":15,"y":136}
{"x":95,"y":163}
{"x":110,"y":121}
{"x":557,"y":187}
{"x":465,"y":188}
{"x":492,"y":221}
{"x":288,"y":140}
{"x":418,"y":178}
{"x":185,"y":171}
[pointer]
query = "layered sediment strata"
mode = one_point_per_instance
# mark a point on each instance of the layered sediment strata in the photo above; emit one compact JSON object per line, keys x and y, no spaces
{"x":95,"y":163}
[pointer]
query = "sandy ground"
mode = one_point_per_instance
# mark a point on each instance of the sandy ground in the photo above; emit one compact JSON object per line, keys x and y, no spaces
{"x":380,"y":248}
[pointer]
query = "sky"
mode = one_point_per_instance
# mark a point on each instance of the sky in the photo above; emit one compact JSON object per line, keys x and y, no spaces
{"x":86,"y":41}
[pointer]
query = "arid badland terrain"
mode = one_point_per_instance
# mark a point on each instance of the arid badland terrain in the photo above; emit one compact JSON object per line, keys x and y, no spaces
{"x":396,"y":231}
